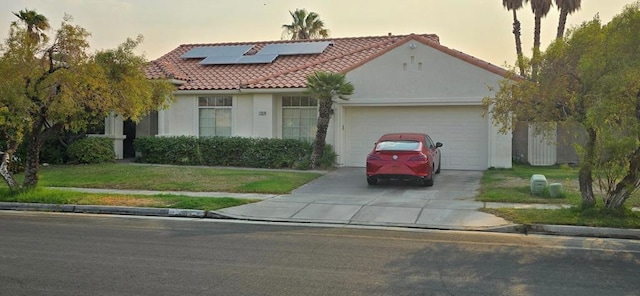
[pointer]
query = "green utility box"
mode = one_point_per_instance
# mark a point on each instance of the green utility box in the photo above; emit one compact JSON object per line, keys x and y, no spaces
{"x":538,"y":184}
{"x":555,"y":190}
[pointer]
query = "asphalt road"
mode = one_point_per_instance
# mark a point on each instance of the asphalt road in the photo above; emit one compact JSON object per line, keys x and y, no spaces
{"x":74,"y":254}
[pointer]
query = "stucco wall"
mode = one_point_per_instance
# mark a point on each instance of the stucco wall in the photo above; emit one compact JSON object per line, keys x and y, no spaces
{"x":242,"y":115}
{"x":423,"y":76}
{"x":181,"y":118}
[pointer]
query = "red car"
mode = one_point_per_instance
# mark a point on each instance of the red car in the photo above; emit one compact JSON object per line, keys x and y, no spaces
{"x":404,"y":156}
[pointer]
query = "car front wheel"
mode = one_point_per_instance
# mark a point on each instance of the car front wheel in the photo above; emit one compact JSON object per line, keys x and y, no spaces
{"x":372,"y":180}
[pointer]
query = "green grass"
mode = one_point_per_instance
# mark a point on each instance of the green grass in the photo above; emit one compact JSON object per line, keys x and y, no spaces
{"x":51,"y":196}
{"x":155,"y":177}
{"x":575,"y":216}
{"x":513,"y":186}
{"x":174,"y":178}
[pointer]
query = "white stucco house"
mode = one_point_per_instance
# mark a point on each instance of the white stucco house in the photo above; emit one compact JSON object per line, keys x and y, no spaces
{"x":408,"y":83}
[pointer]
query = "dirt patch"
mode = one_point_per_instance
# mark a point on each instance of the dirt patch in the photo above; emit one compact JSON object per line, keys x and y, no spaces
{"x":129,"y":201}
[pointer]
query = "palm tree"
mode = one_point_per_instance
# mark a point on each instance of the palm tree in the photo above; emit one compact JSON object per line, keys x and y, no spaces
{"x":305,"y":26}
{"x":36,"y":23}
{"x":515,"y":5}
{"x":325,"y":87}
{"x":540,"y":9}
{"x":566,"y":7}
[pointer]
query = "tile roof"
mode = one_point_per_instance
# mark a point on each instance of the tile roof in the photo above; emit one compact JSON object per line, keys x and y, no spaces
{"x":344,"y":55}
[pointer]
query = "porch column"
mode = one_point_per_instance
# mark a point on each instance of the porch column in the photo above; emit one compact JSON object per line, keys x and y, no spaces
{"x":113,"y":128}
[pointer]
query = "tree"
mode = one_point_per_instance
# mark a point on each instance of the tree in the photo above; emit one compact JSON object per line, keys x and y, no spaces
{"x":48,"y":87}
{"x":36,"y":23}
{"x":566,"y":7}
{"x":540,"y":9}
{"x":325,"y":87}
{"x":592,"y":78}
{"x":305,"y":26}
{"x":514,"y":5}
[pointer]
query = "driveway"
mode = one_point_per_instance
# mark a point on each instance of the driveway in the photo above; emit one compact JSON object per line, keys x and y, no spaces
{"x":343,"y":197}
{"x":350,"y":181}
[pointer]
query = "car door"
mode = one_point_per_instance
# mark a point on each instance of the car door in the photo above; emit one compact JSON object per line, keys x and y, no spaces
{"x":435,"y":151}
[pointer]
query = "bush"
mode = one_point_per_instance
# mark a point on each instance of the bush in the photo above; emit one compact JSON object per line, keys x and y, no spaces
{"x":91,"y":150}
{"x":229,"y":151}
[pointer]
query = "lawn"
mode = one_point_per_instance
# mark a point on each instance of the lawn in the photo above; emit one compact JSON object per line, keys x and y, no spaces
{"x":513,"y":186}
{"x":50,"y":196}
{"x":156,"y":177}
{"x":174,"y":178}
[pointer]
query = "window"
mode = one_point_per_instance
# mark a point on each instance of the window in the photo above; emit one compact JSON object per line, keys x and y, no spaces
{"x":214,"y":116}
{"x":398,"y":146}
{"x":299,"y":118}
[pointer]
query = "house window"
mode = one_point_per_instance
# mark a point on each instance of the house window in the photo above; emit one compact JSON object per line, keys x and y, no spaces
{"x":214,"y":116}
{"x":299,"y":118}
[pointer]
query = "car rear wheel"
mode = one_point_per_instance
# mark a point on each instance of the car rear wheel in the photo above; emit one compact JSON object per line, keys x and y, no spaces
{"x":372,"y":180}
{"x":428,"y":181}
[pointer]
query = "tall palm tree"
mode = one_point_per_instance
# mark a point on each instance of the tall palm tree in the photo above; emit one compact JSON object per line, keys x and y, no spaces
{"x":566,"y":7}
{"x":305,"y":25}
{"x":36,"y":23}
{"x":540,"y":9}
{"x":325,"y":87}
{"x":514,"y":5}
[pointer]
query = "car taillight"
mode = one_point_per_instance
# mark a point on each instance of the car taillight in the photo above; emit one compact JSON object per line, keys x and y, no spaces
{"x":373,"y":157}
{"x":420,"y":157}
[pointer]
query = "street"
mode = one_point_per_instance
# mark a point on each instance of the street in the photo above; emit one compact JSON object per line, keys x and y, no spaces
{"x":75,"y":254}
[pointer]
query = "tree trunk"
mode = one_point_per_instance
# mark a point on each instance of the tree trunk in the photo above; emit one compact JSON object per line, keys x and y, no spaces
{"x":561,"y":23}
{"x":516,"y":35}
{"x":33,"y":156}
{"x":4,"y":169}
{"x":324,"y":115}
{"x":535,"y":60}
{"x":631,"y":181}
{"x":627,"y":185}
{"x":585,"y":177}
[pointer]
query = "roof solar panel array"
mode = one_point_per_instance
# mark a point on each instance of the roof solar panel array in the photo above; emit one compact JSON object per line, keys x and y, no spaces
{"x":235,"y":54}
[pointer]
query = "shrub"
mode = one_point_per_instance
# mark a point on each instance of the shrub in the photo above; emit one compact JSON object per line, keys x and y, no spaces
{"x":229,"y":151}
{"x":91,"y":150}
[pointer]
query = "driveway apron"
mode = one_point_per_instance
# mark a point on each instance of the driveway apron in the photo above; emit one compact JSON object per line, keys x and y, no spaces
{"x":344,"y":197}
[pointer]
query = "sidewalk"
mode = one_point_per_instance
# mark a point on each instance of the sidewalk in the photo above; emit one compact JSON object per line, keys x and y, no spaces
{"x":400,"y":211}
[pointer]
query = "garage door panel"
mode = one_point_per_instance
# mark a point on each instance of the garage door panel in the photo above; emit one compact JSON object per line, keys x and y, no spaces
{"x":461,"y":129}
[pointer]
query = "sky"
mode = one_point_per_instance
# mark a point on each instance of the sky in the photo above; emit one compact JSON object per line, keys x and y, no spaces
{"x":481,"y":28}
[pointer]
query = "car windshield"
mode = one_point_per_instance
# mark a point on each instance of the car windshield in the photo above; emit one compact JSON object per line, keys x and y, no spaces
{"x":398,"y":145}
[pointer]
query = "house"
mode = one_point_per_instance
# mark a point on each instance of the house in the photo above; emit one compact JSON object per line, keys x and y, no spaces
{"x":407,"y":83}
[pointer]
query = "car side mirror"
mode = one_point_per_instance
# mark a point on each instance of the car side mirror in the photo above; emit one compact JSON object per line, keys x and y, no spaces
{"x":438,"y":144}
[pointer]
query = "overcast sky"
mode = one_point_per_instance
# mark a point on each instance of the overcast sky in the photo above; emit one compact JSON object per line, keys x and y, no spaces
{"x":481,"y":28}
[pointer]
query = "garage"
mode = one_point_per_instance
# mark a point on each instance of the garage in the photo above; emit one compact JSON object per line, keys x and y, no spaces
{"x":462,"y":130}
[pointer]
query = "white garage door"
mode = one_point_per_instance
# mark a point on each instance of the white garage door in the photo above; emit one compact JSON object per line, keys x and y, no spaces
{"x":461,"y":129}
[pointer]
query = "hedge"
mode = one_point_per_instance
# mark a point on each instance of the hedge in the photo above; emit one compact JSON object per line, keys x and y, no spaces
{"x":229,"y":151}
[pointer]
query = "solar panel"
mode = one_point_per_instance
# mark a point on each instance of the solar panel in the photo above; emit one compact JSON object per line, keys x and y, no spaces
{"x":220,"y":60}
{"x":220,"y":50}
{"x":316,"y":47}
{"x":295,"y":48}
{"x":257,"y":59}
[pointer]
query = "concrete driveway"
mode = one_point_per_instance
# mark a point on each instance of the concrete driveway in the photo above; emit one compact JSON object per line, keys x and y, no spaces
{"x":449,"y":185}
{"x":344,"y":197}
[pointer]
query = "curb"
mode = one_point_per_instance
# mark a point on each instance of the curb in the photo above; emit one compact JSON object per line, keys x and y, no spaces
{"x":560,"y":230}
{"x":88,"y":209}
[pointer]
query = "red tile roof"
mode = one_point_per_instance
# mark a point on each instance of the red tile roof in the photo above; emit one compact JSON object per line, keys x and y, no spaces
{"x":344,"y":55}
